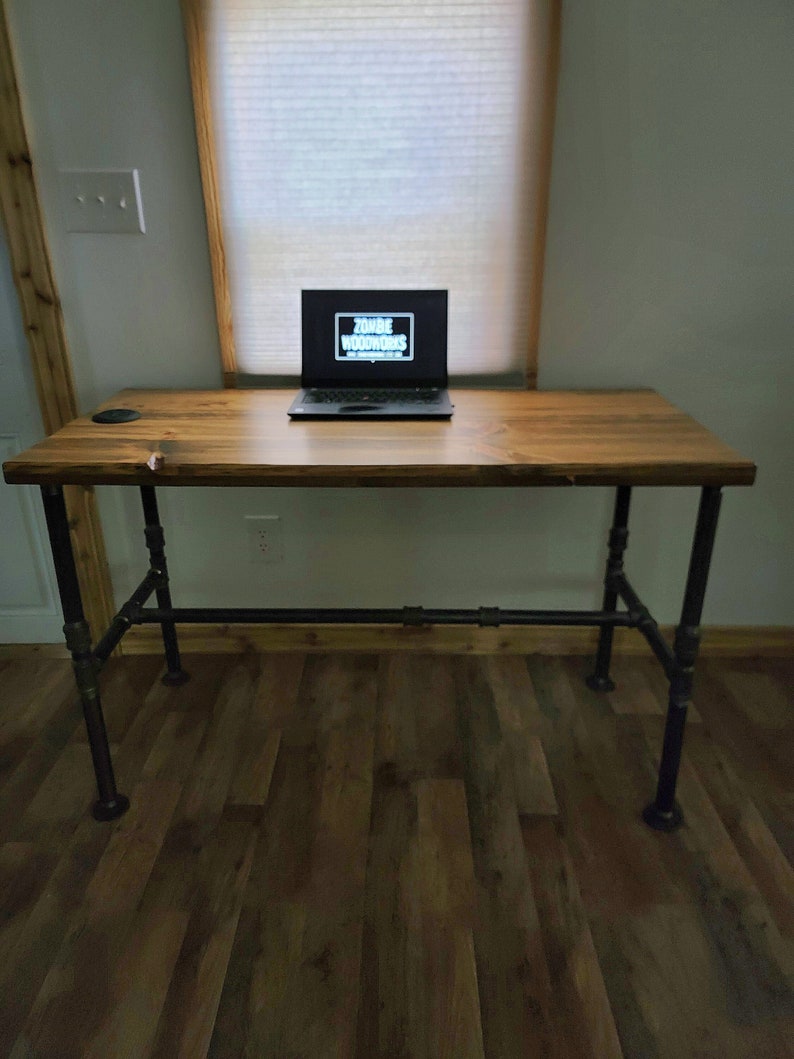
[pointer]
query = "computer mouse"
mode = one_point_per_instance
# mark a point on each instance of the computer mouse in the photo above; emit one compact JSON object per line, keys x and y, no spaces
{"x":360,"y":407}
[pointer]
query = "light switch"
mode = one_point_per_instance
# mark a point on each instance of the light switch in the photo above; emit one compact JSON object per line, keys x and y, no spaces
{"x":102,"y":200}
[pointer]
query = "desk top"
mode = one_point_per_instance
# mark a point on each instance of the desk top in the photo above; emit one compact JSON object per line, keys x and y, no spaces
{"x":496,"y":437}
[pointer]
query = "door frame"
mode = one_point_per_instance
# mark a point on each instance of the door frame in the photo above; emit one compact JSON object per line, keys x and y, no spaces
{"x":42,"y":318}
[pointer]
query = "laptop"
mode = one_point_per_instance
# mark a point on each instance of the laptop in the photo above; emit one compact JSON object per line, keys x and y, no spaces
{"x":373,"y":355}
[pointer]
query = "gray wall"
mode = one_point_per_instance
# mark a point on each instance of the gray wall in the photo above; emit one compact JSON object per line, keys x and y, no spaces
{"x":671,"y":257}
{"x":669,"y":265}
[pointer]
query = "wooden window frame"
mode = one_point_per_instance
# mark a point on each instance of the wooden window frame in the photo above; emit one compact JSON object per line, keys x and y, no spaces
{"x":546,"y":31}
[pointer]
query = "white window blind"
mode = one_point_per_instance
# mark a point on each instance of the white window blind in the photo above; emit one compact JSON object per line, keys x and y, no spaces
{"x":375,"y":145}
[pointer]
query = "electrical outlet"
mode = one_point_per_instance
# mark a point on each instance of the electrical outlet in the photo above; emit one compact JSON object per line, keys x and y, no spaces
{"x":102,"y":200}
{"x":265,"y":538}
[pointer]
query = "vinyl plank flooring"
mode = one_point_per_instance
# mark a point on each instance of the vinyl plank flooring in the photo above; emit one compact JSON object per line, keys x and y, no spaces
{"x":580,"y":1010}
{"x":341,"y":698}
{"x":397,"y":856}
{"x":513,"y":975}
{"x":419,"y":990}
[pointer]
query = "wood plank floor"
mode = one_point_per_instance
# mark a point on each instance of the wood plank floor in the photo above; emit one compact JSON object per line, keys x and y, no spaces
{"x":396,"y":856}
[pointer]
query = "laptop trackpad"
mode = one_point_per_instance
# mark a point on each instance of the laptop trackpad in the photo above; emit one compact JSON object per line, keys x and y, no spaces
{"x":360,"y":408}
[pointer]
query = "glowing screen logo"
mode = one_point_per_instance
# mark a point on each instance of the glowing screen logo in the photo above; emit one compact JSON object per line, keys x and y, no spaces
{"x":374,"y":336}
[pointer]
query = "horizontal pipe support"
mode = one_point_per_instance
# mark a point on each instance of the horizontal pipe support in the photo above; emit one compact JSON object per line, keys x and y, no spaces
{"x":492,"y":616}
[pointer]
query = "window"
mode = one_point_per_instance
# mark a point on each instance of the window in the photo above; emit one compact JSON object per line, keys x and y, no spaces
{"x":375,"y":145}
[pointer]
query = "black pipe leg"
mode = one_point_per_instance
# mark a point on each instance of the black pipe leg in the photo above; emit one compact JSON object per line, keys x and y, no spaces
{"x":78,"y":639}
{"x":664,"y":813}
{"x":155,"y":542}
{"x":618,"y":538}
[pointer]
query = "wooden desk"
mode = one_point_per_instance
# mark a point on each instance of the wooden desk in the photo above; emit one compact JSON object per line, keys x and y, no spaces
{"x":244,"y":437}
{"x":496,"y":438}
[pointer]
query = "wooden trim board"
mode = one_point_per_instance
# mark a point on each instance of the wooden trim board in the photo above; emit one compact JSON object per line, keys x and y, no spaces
{"x":44,"y":327}
{"x":193,"y":15}
{"x":549,"y":32}
{"x":737,"y":640}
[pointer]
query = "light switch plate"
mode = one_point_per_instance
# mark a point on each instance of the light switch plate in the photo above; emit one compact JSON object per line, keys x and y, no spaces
{"x":102,"y":200}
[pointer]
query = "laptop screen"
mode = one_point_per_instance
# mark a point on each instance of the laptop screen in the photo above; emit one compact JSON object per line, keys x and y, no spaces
{"x":374,"y":338}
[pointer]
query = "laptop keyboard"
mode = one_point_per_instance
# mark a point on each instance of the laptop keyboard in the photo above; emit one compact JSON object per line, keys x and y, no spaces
{"x":393,"y":396}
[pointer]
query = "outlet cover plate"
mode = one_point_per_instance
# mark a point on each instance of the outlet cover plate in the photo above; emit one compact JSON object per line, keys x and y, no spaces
{"x":102,"y":200}
{"x":265,"y":538}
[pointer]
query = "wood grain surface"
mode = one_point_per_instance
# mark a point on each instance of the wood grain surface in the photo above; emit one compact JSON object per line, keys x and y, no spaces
{"x":194,"y":16}
{"x":495,"y":438}
{"x":376,"y":856}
